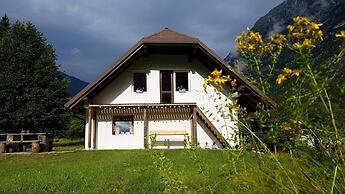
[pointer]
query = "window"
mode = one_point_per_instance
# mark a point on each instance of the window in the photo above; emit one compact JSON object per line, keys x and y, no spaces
{"x":181,"y":81}
{"x":122,"y":125}
{"x":139,"y":80}
{"x":166,"y":79}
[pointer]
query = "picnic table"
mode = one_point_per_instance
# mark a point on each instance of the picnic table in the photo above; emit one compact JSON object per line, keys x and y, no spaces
{"x":18,"y":142}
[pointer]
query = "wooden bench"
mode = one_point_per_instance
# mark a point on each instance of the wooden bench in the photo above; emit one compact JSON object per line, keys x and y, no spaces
{"x":19,"y":146}
{"x":170,"y":142}
{"x":168,"y":132}
{"x":17,"y":142}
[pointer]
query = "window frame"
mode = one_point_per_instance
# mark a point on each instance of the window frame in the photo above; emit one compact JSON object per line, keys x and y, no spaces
{"x":122,"y":118}
{"x":139,"y":72}
{"x":188,"y":80}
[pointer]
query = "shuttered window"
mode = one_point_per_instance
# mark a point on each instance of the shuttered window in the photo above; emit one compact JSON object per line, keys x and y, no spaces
{"x":181,"y":81}
{"x":139,"y":81}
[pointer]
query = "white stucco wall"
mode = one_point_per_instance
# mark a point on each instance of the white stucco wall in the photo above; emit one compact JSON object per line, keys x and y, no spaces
{"x":121,"y":91}
{"x":106,"y":140}
{"x":205,"y":138}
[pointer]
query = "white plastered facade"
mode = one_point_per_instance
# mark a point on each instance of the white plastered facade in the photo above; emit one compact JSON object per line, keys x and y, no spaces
{"x":121,"y":91}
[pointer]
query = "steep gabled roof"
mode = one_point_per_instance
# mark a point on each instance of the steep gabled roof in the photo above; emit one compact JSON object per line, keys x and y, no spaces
{"x":168,"y":35}
{"x":168,"y":38}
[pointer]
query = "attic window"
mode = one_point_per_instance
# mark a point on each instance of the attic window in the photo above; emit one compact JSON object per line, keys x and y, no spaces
{"x":181,"y":81}
{"x":139,"y":80}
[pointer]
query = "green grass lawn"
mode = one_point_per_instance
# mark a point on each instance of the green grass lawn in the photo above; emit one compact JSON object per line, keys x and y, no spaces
{"x":155,"y":171}
{"x":64,"y":144}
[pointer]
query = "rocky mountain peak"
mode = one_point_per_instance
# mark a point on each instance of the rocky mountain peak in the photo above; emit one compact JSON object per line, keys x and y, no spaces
{"x":329,"y":12}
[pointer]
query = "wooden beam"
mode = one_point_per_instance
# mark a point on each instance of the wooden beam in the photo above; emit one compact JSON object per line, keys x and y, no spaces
{"x":160,"y":87}
{"x":172,"y":86}
{"x":93,"y":128}
{"x":193,"y":128}
{"x":146,"y":129}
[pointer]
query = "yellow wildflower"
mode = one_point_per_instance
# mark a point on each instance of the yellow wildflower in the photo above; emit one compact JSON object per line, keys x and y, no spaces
{"x":249,"y":42}
{"x":319,"y":35}
{"x":280,"y":79}
{"x":255,"y":37}
{"x":290,"y":28}
{"x":250,"y":47}
{"x":216,"y":73}
{"x":296,"y":122}
{"x":233,"y":83}
{"x":297,"y":46}
{"x":269,"y":47}
{"x":238,"y":39}
{"x":315,"y":26}
{"x":286,"y":126}
{"x":314,"y":32}
{"x":287,"y":71}
{"x":308,"y":43}
{"x":296,"y":72}
{"x":304,"y":33}
{"x":278,"y":38}
{"x":301,"y":20}
{"x":276,"y":41}
{"x":217,"y":78}
{"x":341,"y":35}
{"x":297,"y":35}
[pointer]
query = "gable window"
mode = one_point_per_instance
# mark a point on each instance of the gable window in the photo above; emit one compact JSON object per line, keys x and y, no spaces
{"x":139,"y":81}
{"x":181,"y":81}
{"x":122,"y":125}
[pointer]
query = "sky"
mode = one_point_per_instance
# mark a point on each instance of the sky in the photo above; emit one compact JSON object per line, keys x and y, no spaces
{"x":89,"y":35}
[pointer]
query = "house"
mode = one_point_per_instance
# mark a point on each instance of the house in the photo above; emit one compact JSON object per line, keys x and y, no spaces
{"x":154,"y":95}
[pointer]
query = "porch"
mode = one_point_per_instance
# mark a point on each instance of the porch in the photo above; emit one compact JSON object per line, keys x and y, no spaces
{"x":168,"y":124}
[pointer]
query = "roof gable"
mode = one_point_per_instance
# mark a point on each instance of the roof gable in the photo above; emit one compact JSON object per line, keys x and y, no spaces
{"x":168,"y":38}
{"x":168,"y":35}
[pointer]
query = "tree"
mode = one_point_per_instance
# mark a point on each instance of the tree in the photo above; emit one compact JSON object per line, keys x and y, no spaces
{"x":4,"y":24}
{"x":32,"y":93}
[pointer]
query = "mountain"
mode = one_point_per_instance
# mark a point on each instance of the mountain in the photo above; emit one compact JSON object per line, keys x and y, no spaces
{"x":74,"y":85}
{"x":279,"y":17}
{"x":329,"y":12}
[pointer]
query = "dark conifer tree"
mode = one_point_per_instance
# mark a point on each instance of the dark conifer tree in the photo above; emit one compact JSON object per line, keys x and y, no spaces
{"x":4,"y":24}
{"x":32,"y":92}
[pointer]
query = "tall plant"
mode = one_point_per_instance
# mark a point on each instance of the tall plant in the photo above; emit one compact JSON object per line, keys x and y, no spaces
{"x":305,"y":115}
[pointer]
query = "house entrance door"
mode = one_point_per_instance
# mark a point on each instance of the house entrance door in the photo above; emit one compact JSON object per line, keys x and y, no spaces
{"x":166,"y":87}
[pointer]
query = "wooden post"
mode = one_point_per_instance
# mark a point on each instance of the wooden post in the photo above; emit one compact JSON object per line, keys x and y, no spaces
{"x":25,"y":147}
{"x":2,"y":147}
{"x":146,"y":129}
{"x":94,"y":115}
{"x":45,"y":141}
{"x":193,"y":127}
{"x":35,"y":147}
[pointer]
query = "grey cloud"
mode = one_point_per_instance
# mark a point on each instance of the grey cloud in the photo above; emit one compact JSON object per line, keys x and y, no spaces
{"x":104,"y":30}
